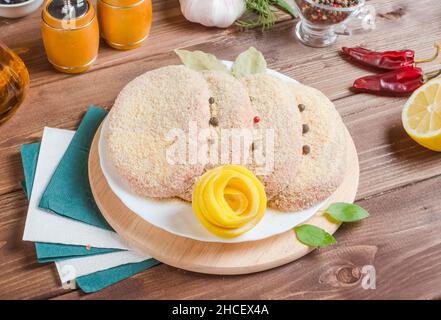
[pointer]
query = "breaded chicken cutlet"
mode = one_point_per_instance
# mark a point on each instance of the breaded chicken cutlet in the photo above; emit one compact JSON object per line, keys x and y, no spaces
{"x":309,"y":150}
{"x":322,"y":166}
{"x":145,"y":112}
{"x":276,"y":105}
{"x":230,"y":108}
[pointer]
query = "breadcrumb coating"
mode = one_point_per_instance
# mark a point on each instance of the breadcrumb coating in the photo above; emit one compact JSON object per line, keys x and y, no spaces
{"x":276,"y":106}
{"x":155,"y":103}
{"x":232,"y":109}
{"x":138,"y":124}
{"x":322,"y":170}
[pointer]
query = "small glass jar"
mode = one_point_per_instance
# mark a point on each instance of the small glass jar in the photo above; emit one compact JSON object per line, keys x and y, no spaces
{"x":70,"y":34}
{"x":321,"y":22}
{"x":124,"y":24}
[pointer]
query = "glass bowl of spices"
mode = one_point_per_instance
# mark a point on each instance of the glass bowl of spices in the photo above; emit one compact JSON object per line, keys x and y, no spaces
{"x":321,"y":21}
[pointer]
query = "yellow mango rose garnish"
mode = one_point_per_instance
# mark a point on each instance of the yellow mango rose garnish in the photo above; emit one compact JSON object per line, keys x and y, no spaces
{"x":229,"y":200}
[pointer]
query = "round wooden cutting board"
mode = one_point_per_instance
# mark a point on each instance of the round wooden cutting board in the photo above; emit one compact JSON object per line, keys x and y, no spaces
{"x":208,"y":257}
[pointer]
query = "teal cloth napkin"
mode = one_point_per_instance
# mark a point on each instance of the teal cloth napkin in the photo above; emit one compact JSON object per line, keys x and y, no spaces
{"x":87,"y":210}
{"x":29,"y":156}
{"x":50,"y":252}
{"x":99,"y":280}
{"x":68,"y":192}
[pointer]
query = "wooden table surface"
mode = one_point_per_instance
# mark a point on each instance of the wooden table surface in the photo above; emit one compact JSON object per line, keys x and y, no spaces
{"x":399,"y":184}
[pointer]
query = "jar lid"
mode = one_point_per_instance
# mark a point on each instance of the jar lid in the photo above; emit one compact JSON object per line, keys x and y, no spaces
{"x":123,"y":3}
{"x":68,"y":14}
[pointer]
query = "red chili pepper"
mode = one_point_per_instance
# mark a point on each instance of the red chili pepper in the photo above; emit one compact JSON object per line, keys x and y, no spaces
{"x":389,"y":60}
{"x":399,"y":82}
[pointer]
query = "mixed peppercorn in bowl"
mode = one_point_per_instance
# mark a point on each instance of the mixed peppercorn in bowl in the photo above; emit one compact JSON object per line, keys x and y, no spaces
{"x":327,"y":12}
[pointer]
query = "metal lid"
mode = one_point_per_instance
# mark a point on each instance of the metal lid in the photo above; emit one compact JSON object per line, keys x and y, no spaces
{"x":67,"y":9}
{"x":68,"y":14}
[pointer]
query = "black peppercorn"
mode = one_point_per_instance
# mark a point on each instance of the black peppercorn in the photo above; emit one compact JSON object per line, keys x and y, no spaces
{"x":306,"y":149}
{"x":211,"y":100}
{"x":214,"y":121}
{"x":305,"y":128}
{"x":301,"y":107}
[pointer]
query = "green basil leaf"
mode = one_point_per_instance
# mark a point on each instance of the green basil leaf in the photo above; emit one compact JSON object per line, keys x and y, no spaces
{"x":346,"y":212}
{"x":199,"y":61}
{"x":313,"y":236}
{"x":249,"y":62}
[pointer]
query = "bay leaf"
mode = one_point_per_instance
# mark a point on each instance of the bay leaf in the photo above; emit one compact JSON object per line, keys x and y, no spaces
{"x":249,"y":62}
{"x":199,"y":61}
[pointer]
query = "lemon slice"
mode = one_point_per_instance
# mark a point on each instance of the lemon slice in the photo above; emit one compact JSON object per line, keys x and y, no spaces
{"x":422,"y":115}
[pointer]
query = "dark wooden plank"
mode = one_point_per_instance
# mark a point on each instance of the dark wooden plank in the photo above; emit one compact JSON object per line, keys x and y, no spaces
{"x":62,"y":103}
{"x":405,"y":250}
{"x":388,"y":158}
{"x":22,"y":277}
{"x":168,"y":20}
{"x":24,"y":34}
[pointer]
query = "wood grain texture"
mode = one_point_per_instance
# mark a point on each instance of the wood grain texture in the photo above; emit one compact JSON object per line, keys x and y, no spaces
{"x":206,"y":257}
{"x":22,"y":277}
{"x":399,"y":239}
{"x":60,"y":100}
{"x":398,"y":182}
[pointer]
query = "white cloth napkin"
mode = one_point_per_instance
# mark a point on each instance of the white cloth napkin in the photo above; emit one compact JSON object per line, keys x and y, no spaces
{"x":43,"y":226}
{"x":71,"y":269}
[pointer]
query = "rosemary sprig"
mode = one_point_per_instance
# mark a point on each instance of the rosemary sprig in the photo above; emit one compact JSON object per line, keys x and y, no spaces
{"x":262,"y":13}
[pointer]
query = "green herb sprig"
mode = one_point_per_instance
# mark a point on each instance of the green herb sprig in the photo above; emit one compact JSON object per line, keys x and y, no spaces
{"x":262,"y":13}
{"x":313,"y":236}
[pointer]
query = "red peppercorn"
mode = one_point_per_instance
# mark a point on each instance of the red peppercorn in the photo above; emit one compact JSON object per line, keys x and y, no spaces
{"x":256,"y":119}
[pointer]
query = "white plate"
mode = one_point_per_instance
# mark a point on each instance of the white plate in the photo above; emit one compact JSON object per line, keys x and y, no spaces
{"x":177,"y":217}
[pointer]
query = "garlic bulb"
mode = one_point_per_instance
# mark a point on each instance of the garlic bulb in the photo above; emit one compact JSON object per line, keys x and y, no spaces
{"x":213,"y":13}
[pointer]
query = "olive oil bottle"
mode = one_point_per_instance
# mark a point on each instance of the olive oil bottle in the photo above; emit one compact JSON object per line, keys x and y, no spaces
{"x":14,"y":82}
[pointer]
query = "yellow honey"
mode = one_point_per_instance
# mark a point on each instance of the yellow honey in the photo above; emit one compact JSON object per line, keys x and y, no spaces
{"x":70,"y":37}
{"x":124,"y":24}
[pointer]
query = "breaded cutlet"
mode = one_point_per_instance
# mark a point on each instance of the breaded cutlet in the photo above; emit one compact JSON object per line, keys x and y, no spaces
{"x":276,"y":106}
{"x":322,"y":169}
{"x":144,"y":114}
{"x":230,"y":108}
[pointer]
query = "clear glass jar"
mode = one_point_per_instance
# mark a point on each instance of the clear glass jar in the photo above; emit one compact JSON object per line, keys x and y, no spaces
{"x":124,"y":24}
{"x":322,"y":21}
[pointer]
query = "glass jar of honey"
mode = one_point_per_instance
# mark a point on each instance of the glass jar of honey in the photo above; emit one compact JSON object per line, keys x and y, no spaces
{"x":70,"y":34}
{"x":14,"y":82}
{"x":124,"y":24}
